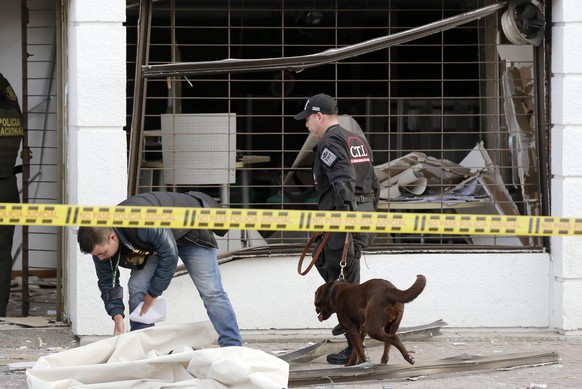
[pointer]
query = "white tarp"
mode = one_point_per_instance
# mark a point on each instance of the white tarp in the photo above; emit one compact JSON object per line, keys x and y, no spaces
{"x":167,"y":356}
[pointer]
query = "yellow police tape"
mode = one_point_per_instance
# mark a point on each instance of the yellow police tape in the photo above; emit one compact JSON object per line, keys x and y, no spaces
{"x":289,"y":220}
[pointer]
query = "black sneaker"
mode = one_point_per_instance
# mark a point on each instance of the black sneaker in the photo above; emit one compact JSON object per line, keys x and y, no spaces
{"x":340,"y":358}
{"x":338,"y":330}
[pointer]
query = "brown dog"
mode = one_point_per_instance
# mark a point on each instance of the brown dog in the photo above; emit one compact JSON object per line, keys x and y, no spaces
{"x":374,"y":308}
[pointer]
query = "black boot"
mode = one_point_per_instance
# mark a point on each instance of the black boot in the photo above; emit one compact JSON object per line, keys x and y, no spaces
{"x":343,"y":356}
{"x":340,"y":358}
{"x":338,"y":330}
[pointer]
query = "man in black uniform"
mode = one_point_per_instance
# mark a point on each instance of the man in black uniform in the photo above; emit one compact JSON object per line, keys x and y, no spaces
{"x":11,"y":133}
{"x":343,"y":173}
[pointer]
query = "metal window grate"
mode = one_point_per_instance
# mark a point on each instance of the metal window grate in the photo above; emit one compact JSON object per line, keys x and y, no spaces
{"x":459,"y":106}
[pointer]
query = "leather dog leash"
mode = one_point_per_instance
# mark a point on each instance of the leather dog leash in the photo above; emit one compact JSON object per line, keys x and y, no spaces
{"x":315,"y":256}
{"x":318,"y":253}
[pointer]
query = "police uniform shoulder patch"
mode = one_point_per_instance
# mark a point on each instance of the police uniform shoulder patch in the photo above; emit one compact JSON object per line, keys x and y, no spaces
{"x":10,"y":93}
{"x":328,"y":157}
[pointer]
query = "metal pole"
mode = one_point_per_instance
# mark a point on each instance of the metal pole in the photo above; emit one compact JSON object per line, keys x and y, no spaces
{"x":136,"y":136}
{"x":25,"y":156}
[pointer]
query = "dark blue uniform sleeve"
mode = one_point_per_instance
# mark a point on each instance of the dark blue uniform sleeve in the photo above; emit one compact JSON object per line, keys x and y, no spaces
{"x":340,"y":173}
{"x":166,"y":248}
{"x":108,"y":282}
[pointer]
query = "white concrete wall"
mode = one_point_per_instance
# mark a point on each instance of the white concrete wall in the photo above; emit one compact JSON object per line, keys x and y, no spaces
{"x":96,"y":153}
{"x":566,"y":164}
{"x":465,"y":290}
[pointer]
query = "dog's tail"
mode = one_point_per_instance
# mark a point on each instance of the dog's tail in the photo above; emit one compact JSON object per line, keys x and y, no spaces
{"x":406,"y":296}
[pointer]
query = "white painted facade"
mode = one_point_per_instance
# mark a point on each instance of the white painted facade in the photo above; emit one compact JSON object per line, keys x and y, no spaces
{"x":96,"y":152}
{"x":465,"y":290}
{"x":473,"y":290}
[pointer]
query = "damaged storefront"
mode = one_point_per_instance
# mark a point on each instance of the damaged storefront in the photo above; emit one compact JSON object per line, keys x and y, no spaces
{"x":451,"y":98}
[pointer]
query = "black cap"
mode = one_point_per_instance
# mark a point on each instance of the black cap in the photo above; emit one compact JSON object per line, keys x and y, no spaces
{"x":319,"y":103}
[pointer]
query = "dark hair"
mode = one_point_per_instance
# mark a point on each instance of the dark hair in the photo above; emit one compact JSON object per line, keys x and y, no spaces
{"x":88,"y":237}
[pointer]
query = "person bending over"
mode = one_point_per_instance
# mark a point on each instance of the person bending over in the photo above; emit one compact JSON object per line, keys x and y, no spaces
{"x":152,"y":255}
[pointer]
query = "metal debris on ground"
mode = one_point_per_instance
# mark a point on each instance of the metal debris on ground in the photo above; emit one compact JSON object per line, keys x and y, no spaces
{"x":328,"y":346}
{"x":462,"y":363}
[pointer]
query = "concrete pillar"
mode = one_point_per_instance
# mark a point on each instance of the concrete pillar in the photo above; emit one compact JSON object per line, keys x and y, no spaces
{"x":566,"y":161}
{"x":96,"y":153}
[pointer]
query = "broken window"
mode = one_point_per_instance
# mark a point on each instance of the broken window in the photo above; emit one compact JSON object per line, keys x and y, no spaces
{"x":453,"y":116}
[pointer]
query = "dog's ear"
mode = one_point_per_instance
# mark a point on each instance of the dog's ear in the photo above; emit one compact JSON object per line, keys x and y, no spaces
{"x":318,"y":294}
{"x":322,"y":292}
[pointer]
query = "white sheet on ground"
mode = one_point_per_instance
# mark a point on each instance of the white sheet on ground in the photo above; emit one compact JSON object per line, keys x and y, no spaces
{"x":168,"y":356}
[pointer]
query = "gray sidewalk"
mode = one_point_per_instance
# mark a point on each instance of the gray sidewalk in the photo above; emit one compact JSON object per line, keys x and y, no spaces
{"x":567,"y":373}
{"x":22,"y":346}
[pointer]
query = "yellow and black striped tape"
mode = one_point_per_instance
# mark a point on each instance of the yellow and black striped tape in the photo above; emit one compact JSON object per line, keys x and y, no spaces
{"x":290,"y":220}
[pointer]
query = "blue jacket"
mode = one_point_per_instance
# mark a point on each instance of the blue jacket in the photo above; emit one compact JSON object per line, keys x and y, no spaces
{"x":162,"y":242}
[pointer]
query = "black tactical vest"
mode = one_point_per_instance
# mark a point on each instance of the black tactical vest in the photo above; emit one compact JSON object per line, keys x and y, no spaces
{"x":11,"y":129}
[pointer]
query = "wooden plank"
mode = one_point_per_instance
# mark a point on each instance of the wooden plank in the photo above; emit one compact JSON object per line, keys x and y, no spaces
{"x":30,"y":321}
{"x":461,"y":363}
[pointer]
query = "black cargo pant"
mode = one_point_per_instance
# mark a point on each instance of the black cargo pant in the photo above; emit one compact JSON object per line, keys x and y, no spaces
{"x":328,"y":263}
{"x":8,"y":194}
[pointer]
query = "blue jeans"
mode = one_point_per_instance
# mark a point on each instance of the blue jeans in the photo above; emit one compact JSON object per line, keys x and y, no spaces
{"x":202,"y":266}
